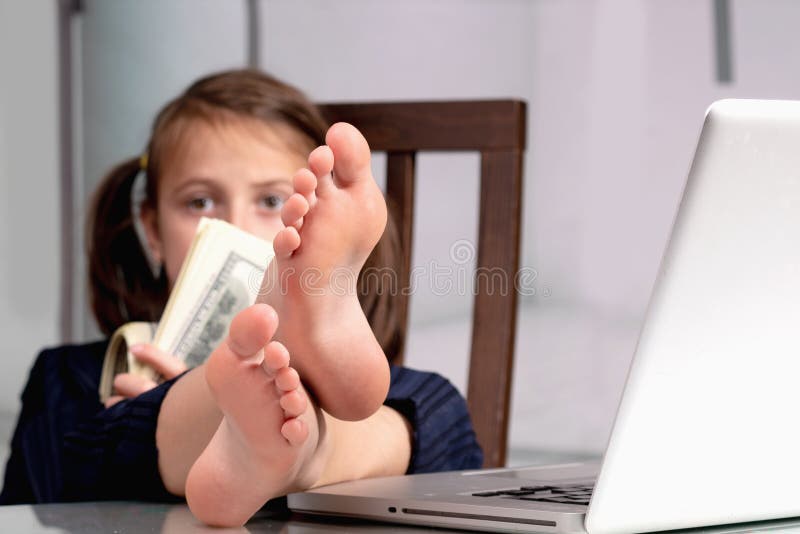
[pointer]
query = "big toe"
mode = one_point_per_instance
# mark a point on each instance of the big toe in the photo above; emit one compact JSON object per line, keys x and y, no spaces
{"x":351,"y":154}
{"x":251,"y":329}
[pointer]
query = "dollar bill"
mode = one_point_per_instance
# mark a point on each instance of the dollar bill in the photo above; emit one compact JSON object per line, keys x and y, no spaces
{"x":229,"y":293}
{"x":120,"y":360}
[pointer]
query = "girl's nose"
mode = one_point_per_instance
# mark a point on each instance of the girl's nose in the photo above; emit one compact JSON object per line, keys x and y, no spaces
{"x":243,"y":218}
{"x":237,"y":217}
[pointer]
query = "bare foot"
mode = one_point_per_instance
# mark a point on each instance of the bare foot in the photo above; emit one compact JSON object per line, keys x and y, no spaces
{"x":268,"y":441}
{"x":333,"y":221}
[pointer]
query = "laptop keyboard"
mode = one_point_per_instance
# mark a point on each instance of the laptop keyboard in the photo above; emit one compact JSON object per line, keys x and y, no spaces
{"x":572,"y":494}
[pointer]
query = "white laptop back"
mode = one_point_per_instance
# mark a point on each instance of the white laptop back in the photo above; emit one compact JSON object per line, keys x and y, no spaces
{"x":707,"y":432}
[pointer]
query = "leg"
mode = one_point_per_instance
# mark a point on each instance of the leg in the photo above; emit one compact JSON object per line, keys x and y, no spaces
{"x":267,"y":442}
{"x":334,"y":220}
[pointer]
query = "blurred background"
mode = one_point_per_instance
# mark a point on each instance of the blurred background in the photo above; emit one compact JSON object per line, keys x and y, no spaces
{"x":616,"y":92}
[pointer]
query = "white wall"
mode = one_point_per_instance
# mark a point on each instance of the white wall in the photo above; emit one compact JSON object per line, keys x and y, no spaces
{"x":29,"y":186}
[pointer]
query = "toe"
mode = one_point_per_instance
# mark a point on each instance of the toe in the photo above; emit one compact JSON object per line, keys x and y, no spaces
{"x":251,"y":329}
{"x":351,"y":154}
{"x":320,"y":161}
{"x":275,"y":357}
{"x":295,"y":207}
{"x":287,"y":379}
{"x":295,"y":431}
{"x":305,"y":183}
{"x":293,"y":403}
{"x":286,"y":241}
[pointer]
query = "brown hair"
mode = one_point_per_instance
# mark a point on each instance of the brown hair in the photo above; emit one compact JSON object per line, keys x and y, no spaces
{"x":122,"y":286}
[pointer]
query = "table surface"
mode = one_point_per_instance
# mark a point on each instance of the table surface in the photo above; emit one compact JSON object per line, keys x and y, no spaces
{"x":124,"y":517}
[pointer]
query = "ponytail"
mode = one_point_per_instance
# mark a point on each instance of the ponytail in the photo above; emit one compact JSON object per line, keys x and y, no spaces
{"x":121,"y":284}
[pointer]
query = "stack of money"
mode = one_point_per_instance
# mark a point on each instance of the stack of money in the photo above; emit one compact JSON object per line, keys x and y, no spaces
{"x":220,"y":276}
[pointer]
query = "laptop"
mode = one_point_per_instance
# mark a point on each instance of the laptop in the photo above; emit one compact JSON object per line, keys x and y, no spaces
{"x":708,"y":427}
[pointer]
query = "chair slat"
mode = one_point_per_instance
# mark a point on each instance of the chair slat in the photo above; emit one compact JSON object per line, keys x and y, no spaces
{"x":414,"y":126}
{"x":495,"y":309}
{"x":400,"y":191}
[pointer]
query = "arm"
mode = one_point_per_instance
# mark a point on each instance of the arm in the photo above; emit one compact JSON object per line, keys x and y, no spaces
{"x":67,"y":447}
{"x":188,"y":419}
{"x":377,"y":446}
{"x":423,"y":427}
{"x":129,"y":385}
{"x":18,"y":485}
{"x":112,"y":455}
{"x":443,"y":438}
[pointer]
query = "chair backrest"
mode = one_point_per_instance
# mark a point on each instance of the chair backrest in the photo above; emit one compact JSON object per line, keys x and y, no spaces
{"x":496,"y":129}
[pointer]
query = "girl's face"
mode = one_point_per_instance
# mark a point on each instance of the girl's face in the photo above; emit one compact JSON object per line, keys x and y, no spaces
{"x":239,"y":171}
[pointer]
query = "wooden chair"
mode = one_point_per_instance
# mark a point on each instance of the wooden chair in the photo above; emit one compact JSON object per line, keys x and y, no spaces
{"x":496,"y":129}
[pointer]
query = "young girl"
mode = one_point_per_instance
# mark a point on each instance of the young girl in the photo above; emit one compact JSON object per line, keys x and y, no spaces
{"x":241,"y":428}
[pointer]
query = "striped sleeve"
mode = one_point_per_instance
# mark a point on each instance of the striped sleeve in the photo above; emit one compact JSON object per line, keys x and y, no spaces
{"x":443,"y":437}
{"x":113,"y":455}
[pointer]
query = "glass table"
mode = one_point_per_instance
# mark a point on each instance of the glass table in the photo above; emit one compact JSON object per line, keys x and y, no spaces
{"x":136,"y":517}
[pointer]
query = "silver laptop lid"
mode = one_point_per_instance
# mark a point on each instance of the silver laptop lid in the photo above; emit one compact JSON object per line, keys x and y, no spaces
{"x":707,"y":430}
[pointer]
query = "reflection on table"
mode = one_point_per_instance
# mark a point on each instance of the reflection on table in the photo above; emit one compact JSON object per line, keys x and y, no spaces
{"x":135,"y":517}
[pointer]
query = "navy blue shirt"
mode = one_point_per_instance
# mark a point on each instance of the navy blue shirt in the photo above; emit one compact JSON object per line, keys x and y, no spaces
{"x":68,"y":447}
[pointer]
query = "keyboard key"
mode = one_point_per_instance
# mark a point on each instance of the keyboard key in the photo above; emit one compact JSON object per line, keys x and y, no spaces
{"x":579,"y":494}
{"x":536,"y":488}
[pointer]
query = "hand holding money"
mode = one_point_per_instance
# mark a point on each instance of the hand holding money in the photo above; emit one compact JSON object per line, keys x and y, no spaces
{"x":221,"y":276}
{"x":129,"y":385}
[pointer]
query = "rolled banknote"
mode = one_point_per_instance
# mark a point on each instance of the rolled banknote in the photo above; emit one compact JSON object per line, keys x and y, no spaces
{"x":119,"y":360}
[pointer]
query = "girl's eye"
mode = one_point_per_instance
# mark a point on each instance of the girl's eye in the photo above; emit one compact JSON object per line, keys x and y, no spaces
{"x":201,"y":204}
{"x":272,"y":202}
